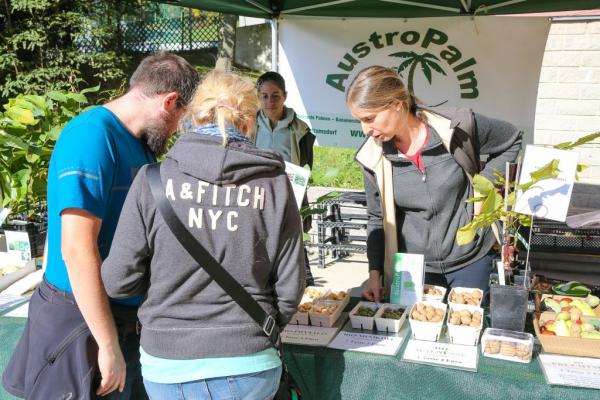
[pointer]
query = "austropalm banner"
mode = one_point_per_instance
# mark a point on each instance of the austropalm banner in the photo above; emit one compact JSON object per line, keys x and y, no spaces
{"x":489,"y":64}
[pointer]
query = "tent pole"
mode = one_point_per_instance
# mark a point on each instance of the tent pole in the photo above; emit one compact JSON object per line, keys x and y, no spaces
{"x":275,"y":44}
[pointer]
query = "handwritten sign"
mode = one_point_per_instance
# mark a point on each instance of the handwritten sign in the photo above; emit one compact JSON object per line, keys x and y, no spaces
{"x":571,"y":371}
{"x":367,"y":343}
{"x":442,"y":354}
{"x":308,"y":335}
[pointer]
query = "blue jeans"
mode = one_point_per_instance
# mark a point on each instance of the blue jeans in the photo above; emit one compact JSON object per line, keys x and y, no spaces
{"x":129,"y":340}
{"x":256,"y":386}
{"x":134,"y":386}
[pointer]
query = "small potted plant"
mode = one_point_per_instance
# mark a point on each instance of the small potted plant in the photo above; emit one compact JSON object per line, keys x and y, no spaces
{"x":509,"y":302}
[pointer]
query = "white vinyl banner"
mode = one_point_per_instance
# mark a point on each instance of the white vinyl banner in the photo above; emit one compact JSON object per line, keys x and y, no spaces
{"x":490,"y":64}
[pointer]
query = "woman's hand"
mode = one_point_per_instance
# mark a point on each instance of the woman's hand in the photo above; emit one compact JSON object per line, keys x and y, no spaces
{"x":112,"y":369}
{"x":374,"y":291}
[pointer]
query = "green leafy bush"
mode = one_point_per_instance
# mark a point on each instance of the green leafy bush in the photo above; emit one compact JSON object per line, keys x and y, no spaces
{"x":336,"y":167}
{"x":29,"y":128}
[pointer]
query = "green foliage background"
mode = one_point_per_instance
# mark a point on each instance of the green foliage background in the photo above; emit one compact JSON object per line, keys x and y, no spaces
{"x":40,"y":44}
{"x":335,"y":167}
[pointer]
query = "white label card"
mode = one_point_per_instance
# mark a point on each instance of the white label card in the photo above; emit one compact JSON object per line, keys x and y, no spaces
{"x":442,"y":354}
{"x":549,"y":198}
{"x":298,"y":177}
{"x":308,"y":335}
{"x":571,"y":371}
{"x":408,"y":279}
{"x":367,"y":343}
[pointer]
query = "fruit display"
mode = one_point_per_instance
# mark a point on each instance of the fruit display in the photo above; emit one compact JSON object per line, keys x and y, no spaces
{"x":465,"y":318}
{"x":568,"y":332}
{"x":507,"y":345}
{"x":589,"y":306}
{"x":427,"y":313}
{"x":465,"y":296}
{"x":576,"y":319}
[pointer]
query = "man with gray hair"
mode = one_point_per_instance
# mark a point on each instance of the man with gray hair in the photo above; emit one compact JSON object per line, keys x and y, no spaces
{"x":73,"y":346}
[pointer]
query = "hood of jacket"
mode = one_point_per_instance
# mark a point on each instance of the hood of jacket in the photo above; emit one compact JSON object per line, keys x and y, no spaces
{"x":204,"y":157}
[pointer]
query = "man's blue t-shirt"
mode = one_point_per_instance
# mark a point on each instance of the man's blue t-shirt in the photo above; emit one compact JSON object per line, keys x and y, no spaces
{"x":92,"y":167}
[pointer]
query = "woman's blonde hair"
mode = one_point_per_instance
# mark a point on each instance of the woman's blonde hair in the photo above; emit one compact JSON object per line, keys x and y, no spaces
{"x":225,"y":98}
{"x":377,"y":87}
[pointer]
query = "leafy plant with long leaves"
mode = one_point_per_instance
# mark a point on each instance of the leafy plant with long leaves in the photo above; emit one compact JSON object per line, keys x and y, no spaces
{"x":493,"y":205}
{"x":29,"y":127}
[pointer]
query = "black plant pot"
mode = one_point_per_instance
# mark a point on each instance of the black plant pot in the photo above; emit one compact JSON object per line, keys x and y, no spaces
{"x":508,"y":307}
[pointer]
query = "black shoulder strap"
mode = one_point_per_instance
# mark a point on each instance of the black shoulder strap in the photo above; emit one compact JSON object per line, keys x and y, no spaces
{"x":207,"y":261}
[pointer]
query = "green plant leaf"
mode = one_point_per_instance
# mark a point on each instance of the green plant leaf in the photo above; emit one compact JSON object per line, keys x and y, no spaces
{"x":78,"y":97}
{"x":32,"y":158}
{"x":475,"y":199}
{"x":482,"y":185}
{"x":21,"y":115}
{"x":93,"y":89}
{"x":57,"y":96}
{"x":511,"y":199}
{"x":39,"y":101}
{"x":548,"y":171}
{"x":465,"y":234}
{"x":7,"y":139}
{"x":581,"y":141}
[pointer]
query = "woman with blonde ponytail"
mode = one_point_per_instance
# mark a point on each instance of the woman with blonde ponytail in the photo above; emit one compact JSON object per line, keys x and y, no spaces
{"x":196,"y":341}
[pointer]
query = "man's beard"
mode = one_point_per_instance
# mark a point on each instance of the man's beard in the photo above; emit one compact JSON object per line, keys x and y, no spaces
{"x":156,"y":137}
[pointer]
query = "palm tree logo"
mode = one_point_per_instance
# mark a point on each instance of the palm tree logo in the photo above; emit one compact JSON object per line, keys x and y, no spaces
{"x":427,"y":62}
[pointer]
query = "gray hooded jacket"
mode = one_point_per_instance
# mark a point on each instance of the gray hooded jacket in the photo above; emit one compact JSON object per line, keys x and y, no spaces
{"x":237,"y":201}
{"x":430,"y":206}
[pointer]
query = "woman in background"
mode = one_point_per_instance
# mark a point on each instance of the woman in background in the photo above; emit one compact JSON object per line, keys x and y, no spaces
{"x":279,"y":129}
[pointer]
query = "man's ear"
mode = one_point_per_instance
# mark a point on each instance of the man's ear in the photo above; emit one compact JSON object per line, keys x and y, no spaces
{"x":169,"y":101}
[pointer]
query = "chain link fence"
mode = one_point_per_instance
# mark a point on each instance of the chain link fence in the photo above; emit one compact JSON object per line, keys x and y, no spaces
{"x":173,"y":34}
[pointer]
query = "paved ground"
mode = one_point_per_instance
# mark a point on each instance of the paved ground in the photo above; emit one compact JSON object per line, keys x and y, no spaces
{"x":349,"y":272}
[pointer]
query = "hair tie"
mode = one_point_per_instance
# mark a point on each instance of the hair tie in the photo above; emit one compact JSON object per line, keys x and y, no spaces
{"x":225,"y":105}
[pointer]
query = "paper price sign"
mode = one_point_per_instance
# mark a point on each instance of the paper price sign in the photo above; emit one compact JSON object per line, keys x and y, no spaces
{"x":442,"y":354}
{"x":571,"y":371}
{"x":307,"y":335}
{"x":367,"y":343}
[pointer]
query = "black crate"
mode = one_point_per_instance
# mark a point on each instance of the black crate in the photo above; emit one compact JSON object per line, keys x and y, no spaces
{"x":559,"y":237}
{"x":37,"y":234}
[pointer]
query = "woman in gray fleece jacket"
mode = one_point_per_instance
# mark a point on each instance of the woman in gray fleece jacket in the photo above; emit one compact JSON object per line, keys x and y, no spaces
{"x":237,"y":201}
{"x":415,"y":188}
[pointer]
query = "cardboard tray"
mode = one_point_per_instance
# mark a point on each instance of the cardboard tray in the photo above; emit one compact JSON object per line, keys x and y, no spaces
{"x":570,"y":346}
